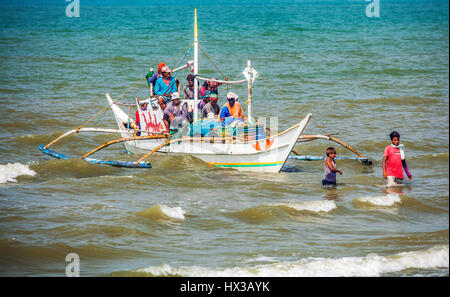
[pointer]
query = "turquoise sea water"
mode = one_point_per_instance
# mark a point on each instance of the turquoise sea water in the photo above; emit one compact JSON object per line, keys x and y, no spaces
{"x":361,"y":77}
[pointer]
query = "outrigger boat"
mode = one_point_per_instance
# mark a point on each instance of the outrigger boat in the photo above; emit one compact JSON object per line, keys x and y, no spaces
{"x":247,"y":146}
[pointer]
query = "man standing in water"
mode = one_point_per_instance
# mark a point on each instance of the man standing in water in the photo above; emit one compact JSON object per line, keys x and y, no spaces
{"x":394,"y":160}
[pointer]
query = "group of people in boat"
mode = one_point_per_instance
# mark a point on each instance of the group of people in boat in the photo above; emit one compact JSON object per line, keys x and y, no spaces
{"x":167,"y":90}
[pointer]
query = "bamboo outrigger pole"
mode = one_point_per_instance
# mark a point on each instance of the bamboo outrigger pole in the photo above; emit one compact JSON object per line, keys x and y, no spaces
{"x":82,"y":130}
{"x":108,"y":143}
{"x":304,"y":138}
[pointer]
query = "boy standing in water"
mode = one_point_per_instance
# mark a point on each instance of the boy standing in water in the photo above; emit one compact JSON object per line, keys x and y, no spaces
{"x":394,"y":160}
{"x":330,"y":168}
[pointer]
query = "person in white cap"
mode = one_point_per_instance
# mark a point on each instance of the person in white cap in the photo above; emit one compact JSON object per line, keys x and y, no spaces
{"x":232,"y":110}
{"x":166,"y":84}
{"x":175,"y":112}
{"x":143,"y":107}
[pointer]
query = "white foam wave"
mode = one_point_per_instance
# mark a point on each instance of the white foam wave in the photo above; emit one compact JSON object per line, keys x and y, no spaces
{"x":387,"y":200}
{"x":9,"y":172}
{"x":261,"y":258}
{"x":313,"y":206}
{"x":370,"y":265}
{"x":173,"y":212}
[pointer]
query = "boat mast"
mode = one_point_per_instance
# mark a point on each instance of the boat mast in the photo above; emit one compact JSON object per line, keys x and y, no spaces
{"x":250,"y":90}
{"x":195,"y":68}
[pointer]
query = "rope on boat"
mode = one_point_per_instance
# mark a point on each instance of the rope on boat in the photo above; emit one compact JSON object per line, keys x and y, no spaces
{"x":125,"y":104}
{"x":223,"y":81}
{"x":223,"y":74}
{"x":174,"y":57}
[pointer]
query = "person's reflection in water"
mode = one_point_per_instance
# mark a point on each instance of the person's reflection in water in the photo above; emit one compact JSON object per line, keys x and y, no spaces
{"x":332,"y":193}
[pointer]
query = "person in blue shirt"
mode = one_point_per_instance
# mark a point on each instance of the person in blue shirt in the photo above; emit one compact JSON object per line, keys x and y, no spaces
{"x":165,"y":85}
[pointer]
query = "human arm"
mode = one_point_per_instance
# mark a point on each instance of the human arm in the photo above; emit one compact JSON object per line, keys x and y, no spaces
{"x":185,"y":94}
{"x":173,"y":86}
{"x":384,"y":163}
{"x":168,"y":110}
{"x":385,"y":158}
{"x":224,"y":113}
{"x":329,"y":164}
{"x":137,"y":117}
{"x":202,"y":91}
{"x":153,"y":78}
{"x":240,"y":114}
{"x":405,"y":167}
{"x":158,"y":89}
{"x":184,"y":111}
{"x":137,"y":122}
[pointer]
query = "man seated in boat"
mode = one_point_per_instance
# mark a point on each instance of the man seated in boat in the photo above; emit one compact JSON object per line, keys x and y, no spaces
{"x":166,"y":84}
{"x":175,"y":113}
{"x":232,"y":110}
{"x":211,"y":109}
{"x":210,"y":86}
{"x":204,"y":101}
{"x":189,"y":88}
{"x":142,"y":106}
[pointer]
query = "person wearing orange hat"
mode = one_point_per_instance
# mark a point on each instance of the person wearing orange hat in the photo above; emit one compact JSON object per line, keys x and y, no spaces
{"x":155,"y":76}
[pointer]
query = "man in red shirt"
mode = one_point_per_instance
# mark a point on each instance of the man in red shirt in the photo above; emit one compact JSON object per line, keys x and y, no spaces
{"x":394,"y":161}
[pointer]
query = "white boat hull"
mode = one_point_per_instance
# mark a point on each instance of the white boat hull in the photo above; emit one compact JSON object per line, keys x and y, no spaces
{"x":266,"y":155}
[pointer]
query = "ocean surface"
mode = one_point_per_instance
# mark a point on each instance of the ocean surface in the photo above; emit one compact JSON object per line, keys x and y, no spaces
{"x":360,"y":77}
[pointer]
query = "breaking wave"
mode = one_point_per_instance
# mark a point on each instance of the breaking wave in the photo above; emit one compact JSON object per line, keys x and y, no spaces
{"x":163,"y":212}
{"x":312,"y":206}
{"x":387,"y":200}
{"x":266,"y":212}
{"x":370,"y":265}
{"x":9,"y":172}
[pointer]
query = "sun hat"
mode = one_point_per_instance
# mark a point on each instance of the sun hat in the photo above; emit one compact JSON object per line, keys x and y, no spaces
{"x":175,"y":95}
{"x":166,"y":69}
{"x":231,"y":95}
{"x":146,"y":101}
